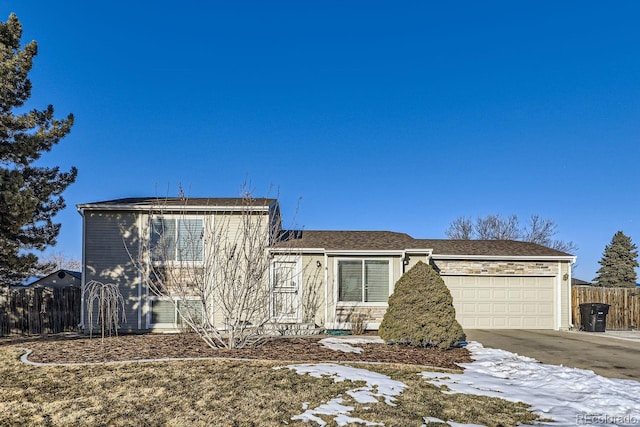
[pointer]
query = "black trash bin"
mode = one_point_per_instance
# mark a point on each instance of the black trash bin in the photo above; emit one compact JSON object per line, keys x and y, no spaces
{"x":593,"y":316}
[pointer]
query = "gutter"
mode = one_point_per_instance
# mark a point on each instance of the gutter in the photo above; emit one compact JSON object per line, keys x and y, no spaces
{"x":569,"y":258}
{"x":173,"y":208}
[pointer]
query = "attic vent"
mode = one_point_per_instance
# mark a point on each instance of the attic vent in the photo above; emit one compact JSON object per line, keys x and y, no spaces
{"x":61,"y":274}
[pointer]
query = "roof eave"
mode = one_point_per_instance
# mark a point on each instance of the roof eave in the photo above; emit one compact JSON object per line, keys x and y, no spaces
{"x":182,"y":208}
{"x":570,"y":258}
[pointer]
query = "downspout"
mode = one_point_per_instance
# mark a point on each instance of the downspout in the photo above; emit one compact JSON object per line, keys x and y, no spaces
{"x":140,"y":237}
{"x":83,"y":272}
{"x":326,"y":290}
{"x":570,"y":299}
{"x":559,"y":297}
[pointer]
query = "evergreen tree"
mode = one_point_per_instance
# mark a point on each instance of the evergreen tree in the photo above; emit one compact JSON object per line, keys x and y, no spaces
{"x":618,"y":263}
{"x":421,"y":311}
{"x":29,"y":195}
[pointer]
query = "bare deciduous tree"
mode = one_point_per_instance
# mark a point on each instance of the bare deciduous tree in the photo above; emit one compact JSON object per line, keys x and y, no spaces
{"x":494,"y":227}
{"x":54,"y":262}
{"x":460,"y":228}
{"x":541,"y":231}
{"x":214,"y":267}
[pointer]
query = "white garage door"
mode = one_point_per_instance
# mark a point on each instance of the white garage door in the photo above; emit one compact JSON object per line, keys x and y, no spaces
{"x":483,"y":302}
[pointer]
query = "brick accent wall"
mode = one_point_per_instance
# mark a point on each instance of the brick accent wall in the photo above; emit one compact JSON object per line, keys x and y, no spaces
{"x":507,"y":268}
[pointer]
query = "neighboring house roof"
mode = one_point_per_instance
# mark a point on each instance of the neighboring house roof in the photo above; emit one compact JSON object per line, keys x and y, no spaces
{"x":57,"y":279}
{"x":388,"y":240}
{"x":138,"y":203}
{"x":578,"y":282}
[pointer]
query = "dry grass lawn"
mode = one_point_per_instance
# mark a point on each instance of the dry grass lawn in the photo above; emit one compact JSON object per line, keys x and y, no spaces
{"x":220,"y":393}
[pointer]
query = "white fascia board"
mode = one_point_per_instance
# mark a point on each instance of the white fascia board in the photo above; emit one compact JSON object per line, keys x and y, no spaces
{"x":569,"y":258}
{"x":427,"y":252}
{"x":349,"y":252}
{"x":339,"y":252}
{"x":147,"y":208}
{"x":295,"y":250}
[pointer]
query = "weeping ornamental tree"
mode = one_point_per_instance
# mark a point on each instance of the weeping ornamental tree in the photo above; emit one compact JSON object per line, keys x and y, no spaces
{"x":618,"y":263}
{"x":30,"y":196}
{"x":421,"y":311}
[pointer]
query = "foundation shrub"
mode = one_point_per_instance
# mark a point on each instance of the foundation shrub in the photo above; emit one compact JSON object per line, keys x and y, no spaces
{"x":421,"y":312}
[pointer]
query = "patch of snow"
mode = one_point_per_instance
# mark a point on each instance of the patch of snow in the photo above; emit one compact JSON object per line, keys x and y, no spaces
{"x":386,"y":388}
{"x":334,"y":408}
{"x":428,"y":420}
{"x":569,"y":396}
{"x":343,"y":344}
{"x":454,"y":424}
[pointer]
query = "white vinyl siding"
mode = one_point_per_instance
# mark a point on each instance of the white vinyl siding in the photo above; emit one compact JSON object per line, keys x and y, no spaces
{"x":177,"y":239}
{"x":363,"y":280}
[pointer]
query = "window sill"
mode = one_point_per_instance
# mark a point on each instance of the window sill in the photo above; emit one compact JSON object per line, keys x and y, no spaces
{"x":361,"y":304}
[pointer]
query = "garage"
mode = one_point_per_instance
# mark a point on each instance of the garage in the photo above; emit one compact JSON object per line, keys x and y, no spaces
{"x":504,"y":302}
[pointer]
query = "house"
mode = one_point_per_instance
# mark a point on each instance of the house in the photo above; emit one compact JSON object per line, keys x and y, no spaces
{"x":322,"y":278}
{"x":55,"y":280}
{"x":580,"y":282}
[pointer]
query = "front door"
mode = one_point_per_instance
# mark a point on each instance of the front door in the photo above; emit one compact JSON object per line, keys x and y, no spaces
{"x":285,"y":295}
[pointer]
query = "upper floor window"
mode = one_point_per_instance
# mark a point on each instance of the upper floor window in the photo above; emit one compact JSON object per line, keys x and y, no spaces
{"x":177,"y":239}
{"x":363,"y":280}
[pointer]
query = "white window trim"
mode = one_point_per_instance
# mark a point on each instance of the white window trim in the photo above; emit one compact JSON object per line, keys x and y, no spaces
{"x":336,"y":279}
{"x":205,"y":224}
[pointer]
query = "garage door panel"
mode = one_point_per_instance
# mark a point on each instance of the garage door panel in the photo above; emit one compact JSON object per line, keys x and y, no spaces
{"x":469,"y":294}
{"x":500,"y":308}
{"x":486,"y":302}
{"x":500,"y":294}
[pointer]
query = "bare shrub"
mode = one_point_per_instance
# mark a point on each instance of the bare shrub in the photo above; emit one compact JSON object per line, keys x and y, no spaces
{"x":358,"y":323}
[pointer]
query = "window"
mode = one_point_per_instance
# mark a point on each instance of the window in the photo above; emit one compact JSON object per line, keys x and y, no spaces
{"x":363,"y":280}
{"x":177,"y":239}
{"x":165,"y":312}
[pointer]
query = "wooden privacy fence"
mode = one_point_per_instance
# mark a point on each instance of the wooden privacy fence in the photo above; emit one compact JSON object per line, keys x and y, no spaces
{"x":624,"y":310}
{"x":40,"y":310}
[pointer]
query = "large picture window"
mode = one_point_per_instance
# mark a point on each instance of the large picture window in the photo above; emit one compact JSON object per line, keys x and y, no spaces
{"x":177,"y":239}
{"x":363,"y":280}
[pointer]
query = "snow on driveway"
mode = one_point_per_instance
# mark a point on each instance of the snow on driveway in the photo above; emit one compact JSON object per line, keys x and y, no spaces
{"x":569,"y":396}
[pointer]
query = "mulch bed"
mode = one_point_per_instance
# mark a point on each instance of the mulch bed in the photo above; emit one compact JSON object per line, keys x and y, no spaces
{"x":81,"y":349}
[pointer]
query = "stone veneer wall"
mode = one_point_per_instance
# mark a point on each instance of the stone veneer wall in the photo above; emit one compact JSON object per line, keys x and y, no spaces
{"x":507,"y":268}
{"x":371,"y":314}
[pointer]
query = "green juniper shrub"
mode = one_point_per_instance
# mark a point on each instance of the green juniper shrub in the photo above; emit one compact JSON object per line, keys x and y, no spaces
{"x":421,"y":311}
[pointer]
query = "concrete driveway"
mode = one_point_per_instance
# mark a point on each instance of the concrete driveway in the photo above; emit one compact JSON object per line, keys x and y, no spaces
{"x":602,"y":353}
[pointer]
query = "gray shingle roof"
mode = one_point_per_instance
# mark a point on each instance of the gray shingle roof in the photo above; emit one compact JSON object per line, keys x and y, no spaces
{"x":345,"y":240}
{"x":488,"y":247}
{"x":388,"y":240}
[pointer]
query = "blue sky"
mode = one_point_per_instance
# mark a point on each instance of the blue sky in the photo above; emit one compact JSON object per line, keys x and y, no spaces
{"x":378,"y":116}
